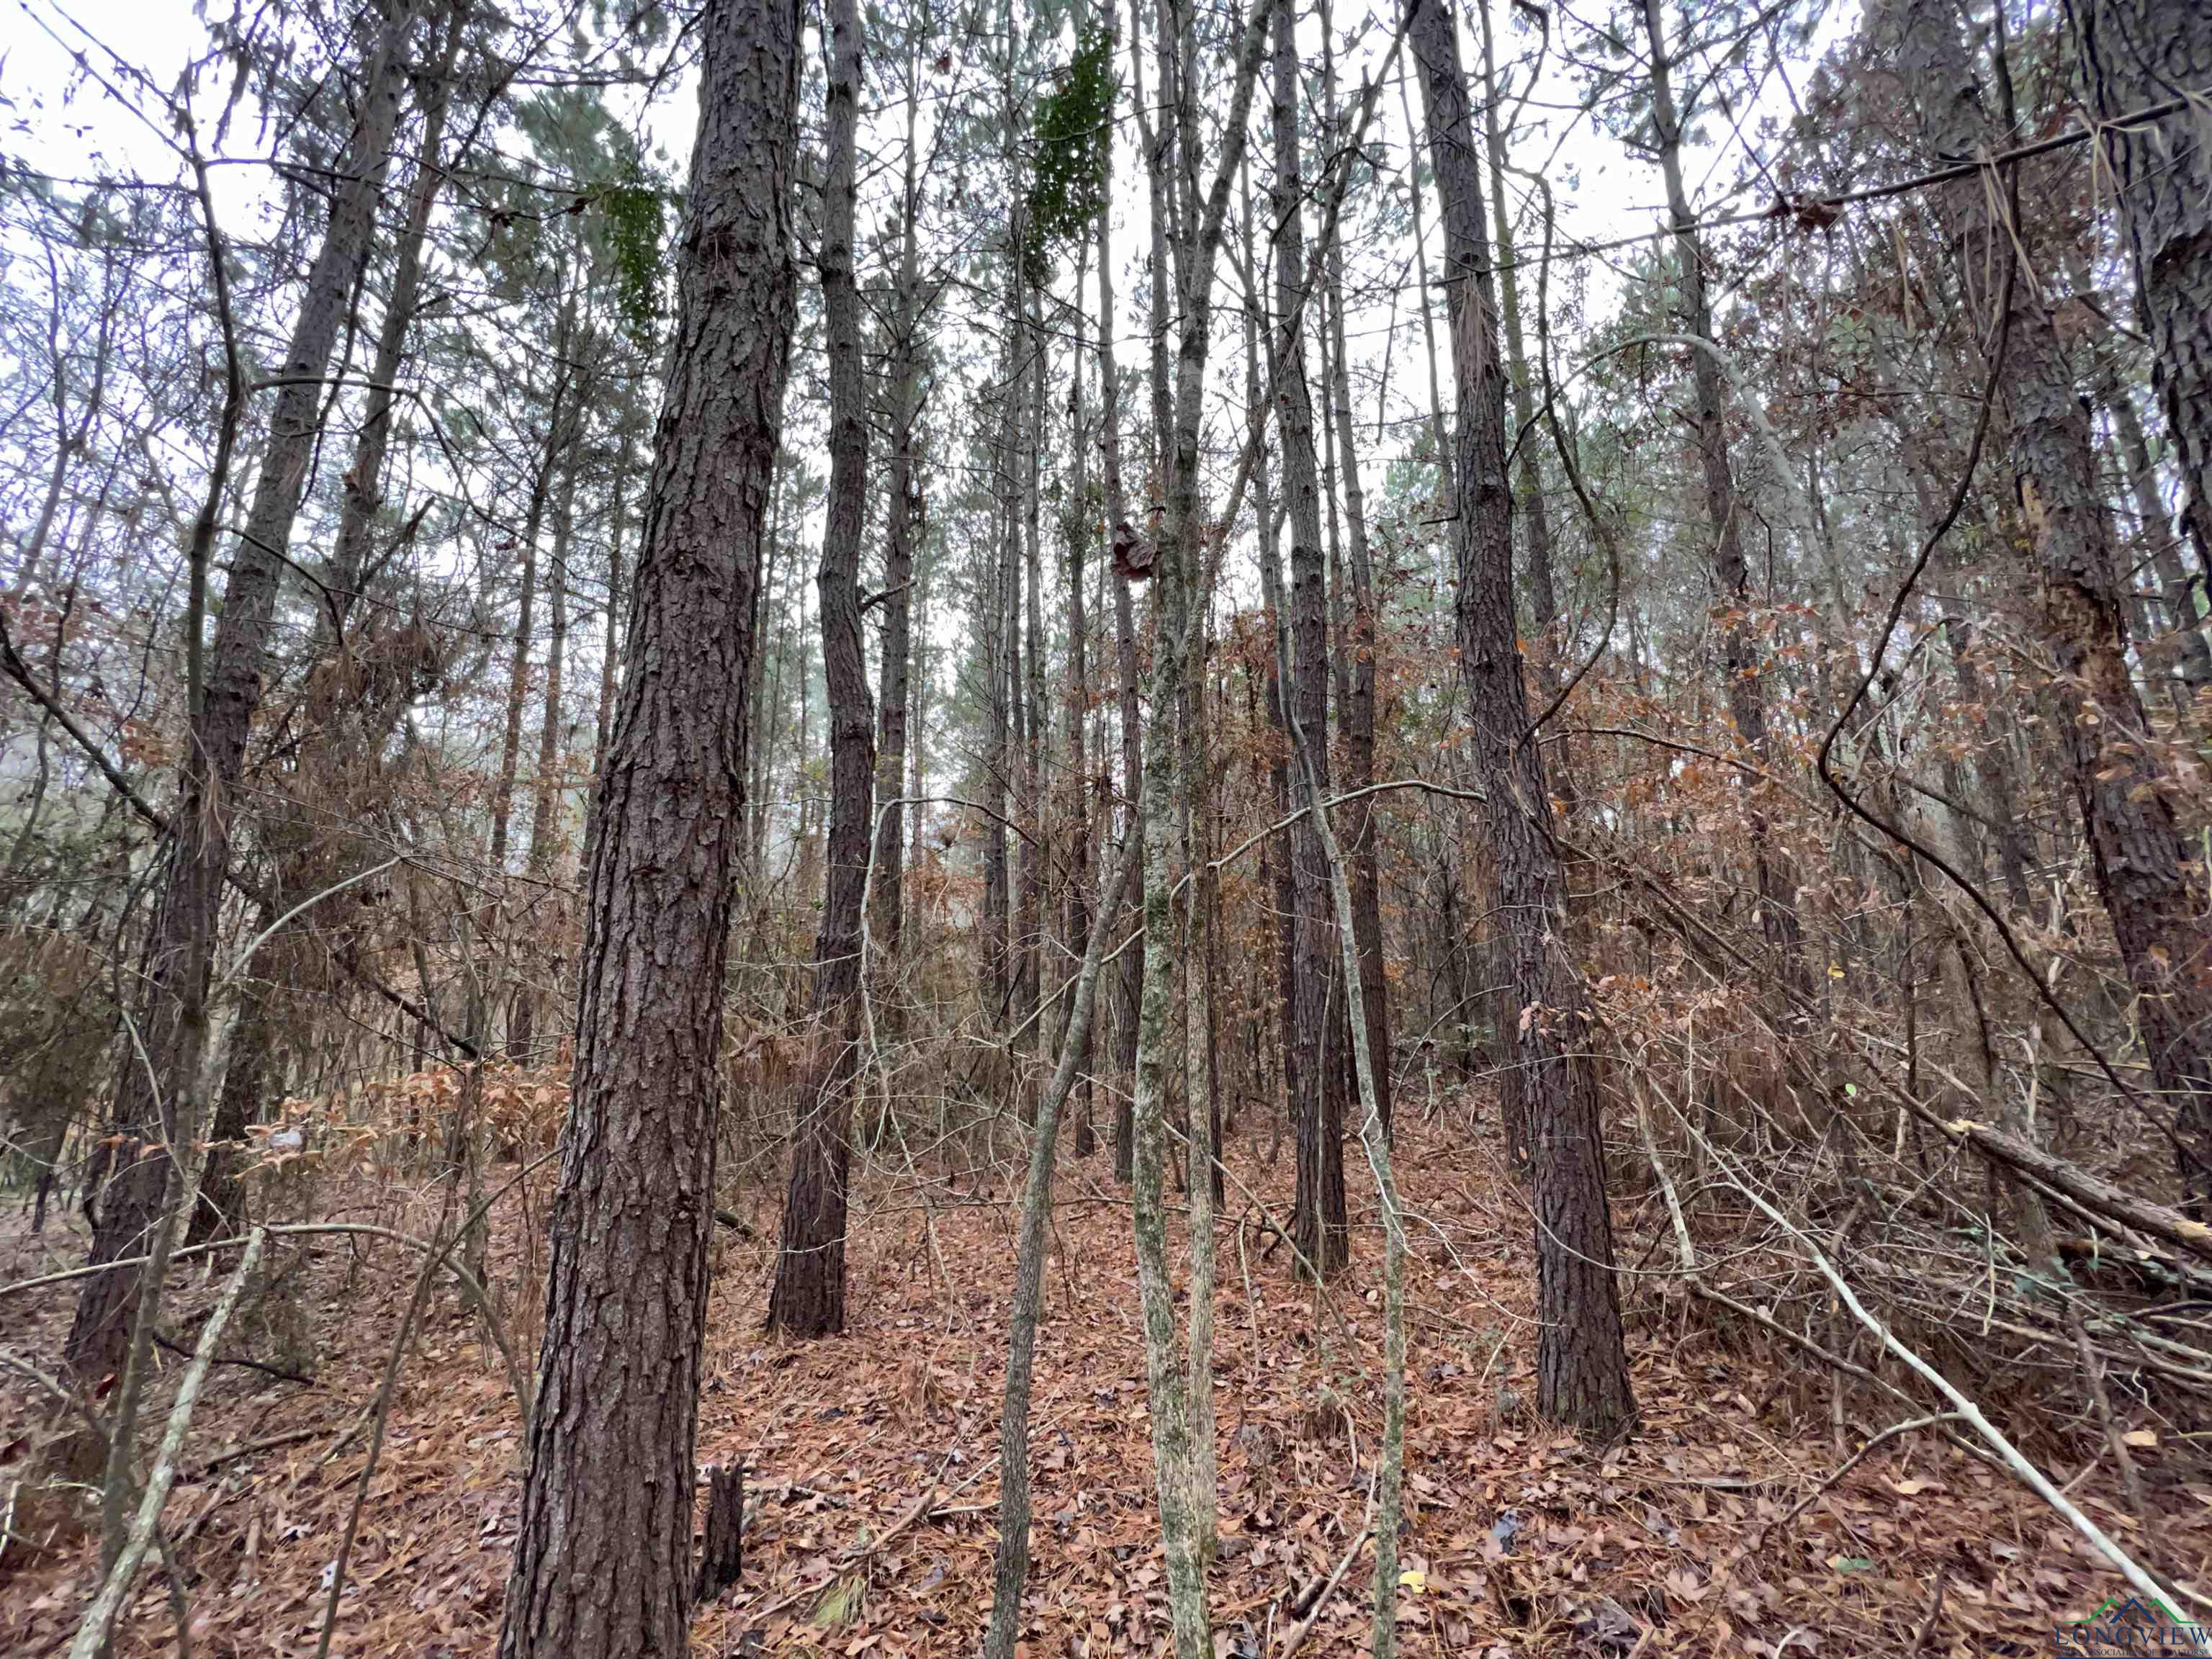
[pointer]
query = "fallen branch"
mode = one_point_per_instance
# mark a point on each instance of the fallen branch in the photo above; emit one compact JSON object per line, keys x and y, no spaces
{"x":1304,"y":1628}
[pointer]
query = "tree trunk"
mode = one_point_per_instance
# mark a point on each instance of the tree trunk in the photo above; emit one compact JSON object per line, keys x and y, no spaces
{"x":2134,"y":53}
{"x":545,"y":795}
{"x":808,"y":1298}
{"x":1277,"y":873}
{"x":2122,"y":787}
{"x":602,"y":1564}
{"x":1011,"y":1566}
{"x":1123,"y":533}
{"x":558,"y":437}
{"x":181,"y":952}
{"x":1359,"y":707}
{"x":1581,"y":1361}
{"x":240,"y":1103}
{"x":1318,"y":1216}
{"x":1030,"y":904}
{"x":1739,"y":653}
{"x":1075,"y":816}
{"x":899,"y":514}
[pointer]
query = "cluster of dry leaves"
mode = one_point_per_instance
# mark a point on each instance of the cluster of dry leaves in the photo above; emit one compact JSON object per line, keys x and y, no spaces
{"x":873,"y":1473}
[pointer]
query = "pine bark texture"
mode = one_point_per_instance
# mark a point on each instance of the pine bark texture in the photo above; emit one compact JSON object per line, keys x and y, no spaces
{"x":1582,"y":1360}
{"x":602,"y":1564}
{"x":2133,"y":54}
{"x":808,"y":1298}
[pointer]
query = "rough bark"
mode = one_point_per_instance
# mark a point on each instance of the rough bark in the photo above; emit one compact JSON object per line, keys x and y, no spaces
{"x":603,"y":1549}
{"x":2121,"y":785}
{"x":1581,"y":1361}
{"x":1318,"y":1216}
{"x":2134,"y":53}
{"x":808,"y":1298}
{"x":180,"y":955}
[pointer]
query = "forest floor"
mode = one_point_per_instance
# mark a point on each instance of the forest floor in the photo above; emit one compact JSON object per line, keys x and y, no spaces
{"x":874,"y":1474}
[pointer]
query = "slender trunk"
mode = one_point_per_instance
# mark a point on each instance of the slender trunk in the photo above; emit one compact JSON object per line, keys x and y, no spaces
{"x":1439,"y":434}
{"x":363,"y":479}
{"x":1362,"y":647}
{"x":1182,"y":1469}
{"x":602,"y":1560}
{"x":1123,"y":535}
{"x":545,"y":794}
{"x":557,"y":438}
{"x":1278,"y":877}
{"x":1319,"y":1223}
{"x":1074,"y":815}
{"x":900,"y":513}
{"x":808,"y":1298}
{"x":1740,"y":653}
{"x":1011,"y":1567}
{"x":181,"y":954}
{"x":1030,"y":903}
{"x":240,"y":1103}
{"x":1582,"y":1360}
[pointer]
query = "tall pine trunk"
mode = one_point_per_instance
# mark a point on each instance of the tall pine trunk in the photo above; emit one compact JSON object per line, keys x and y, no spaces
{"x":602,"y":1555}
{"x":1318,"y":1223}
{"x":2133,"y":54}
{"x":1581,"y":1359}
{"x":1363,"y":642}
{"x":808,"y":1298}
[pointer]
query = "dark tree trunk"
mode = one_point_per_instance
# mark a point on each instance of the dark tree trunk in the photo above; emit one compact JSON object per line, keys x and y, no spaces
{"x":1318,"y":1215}
{"x":1276,"y":873}
{"x":2121,"y":787}
{"x":181,"y":951}
{"x":603,"y":1551}
{"x":241,"y":1102}
{"x":1582,"y":1360}
{"x":809,"y":1295}
{"x":2135,"y":53}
